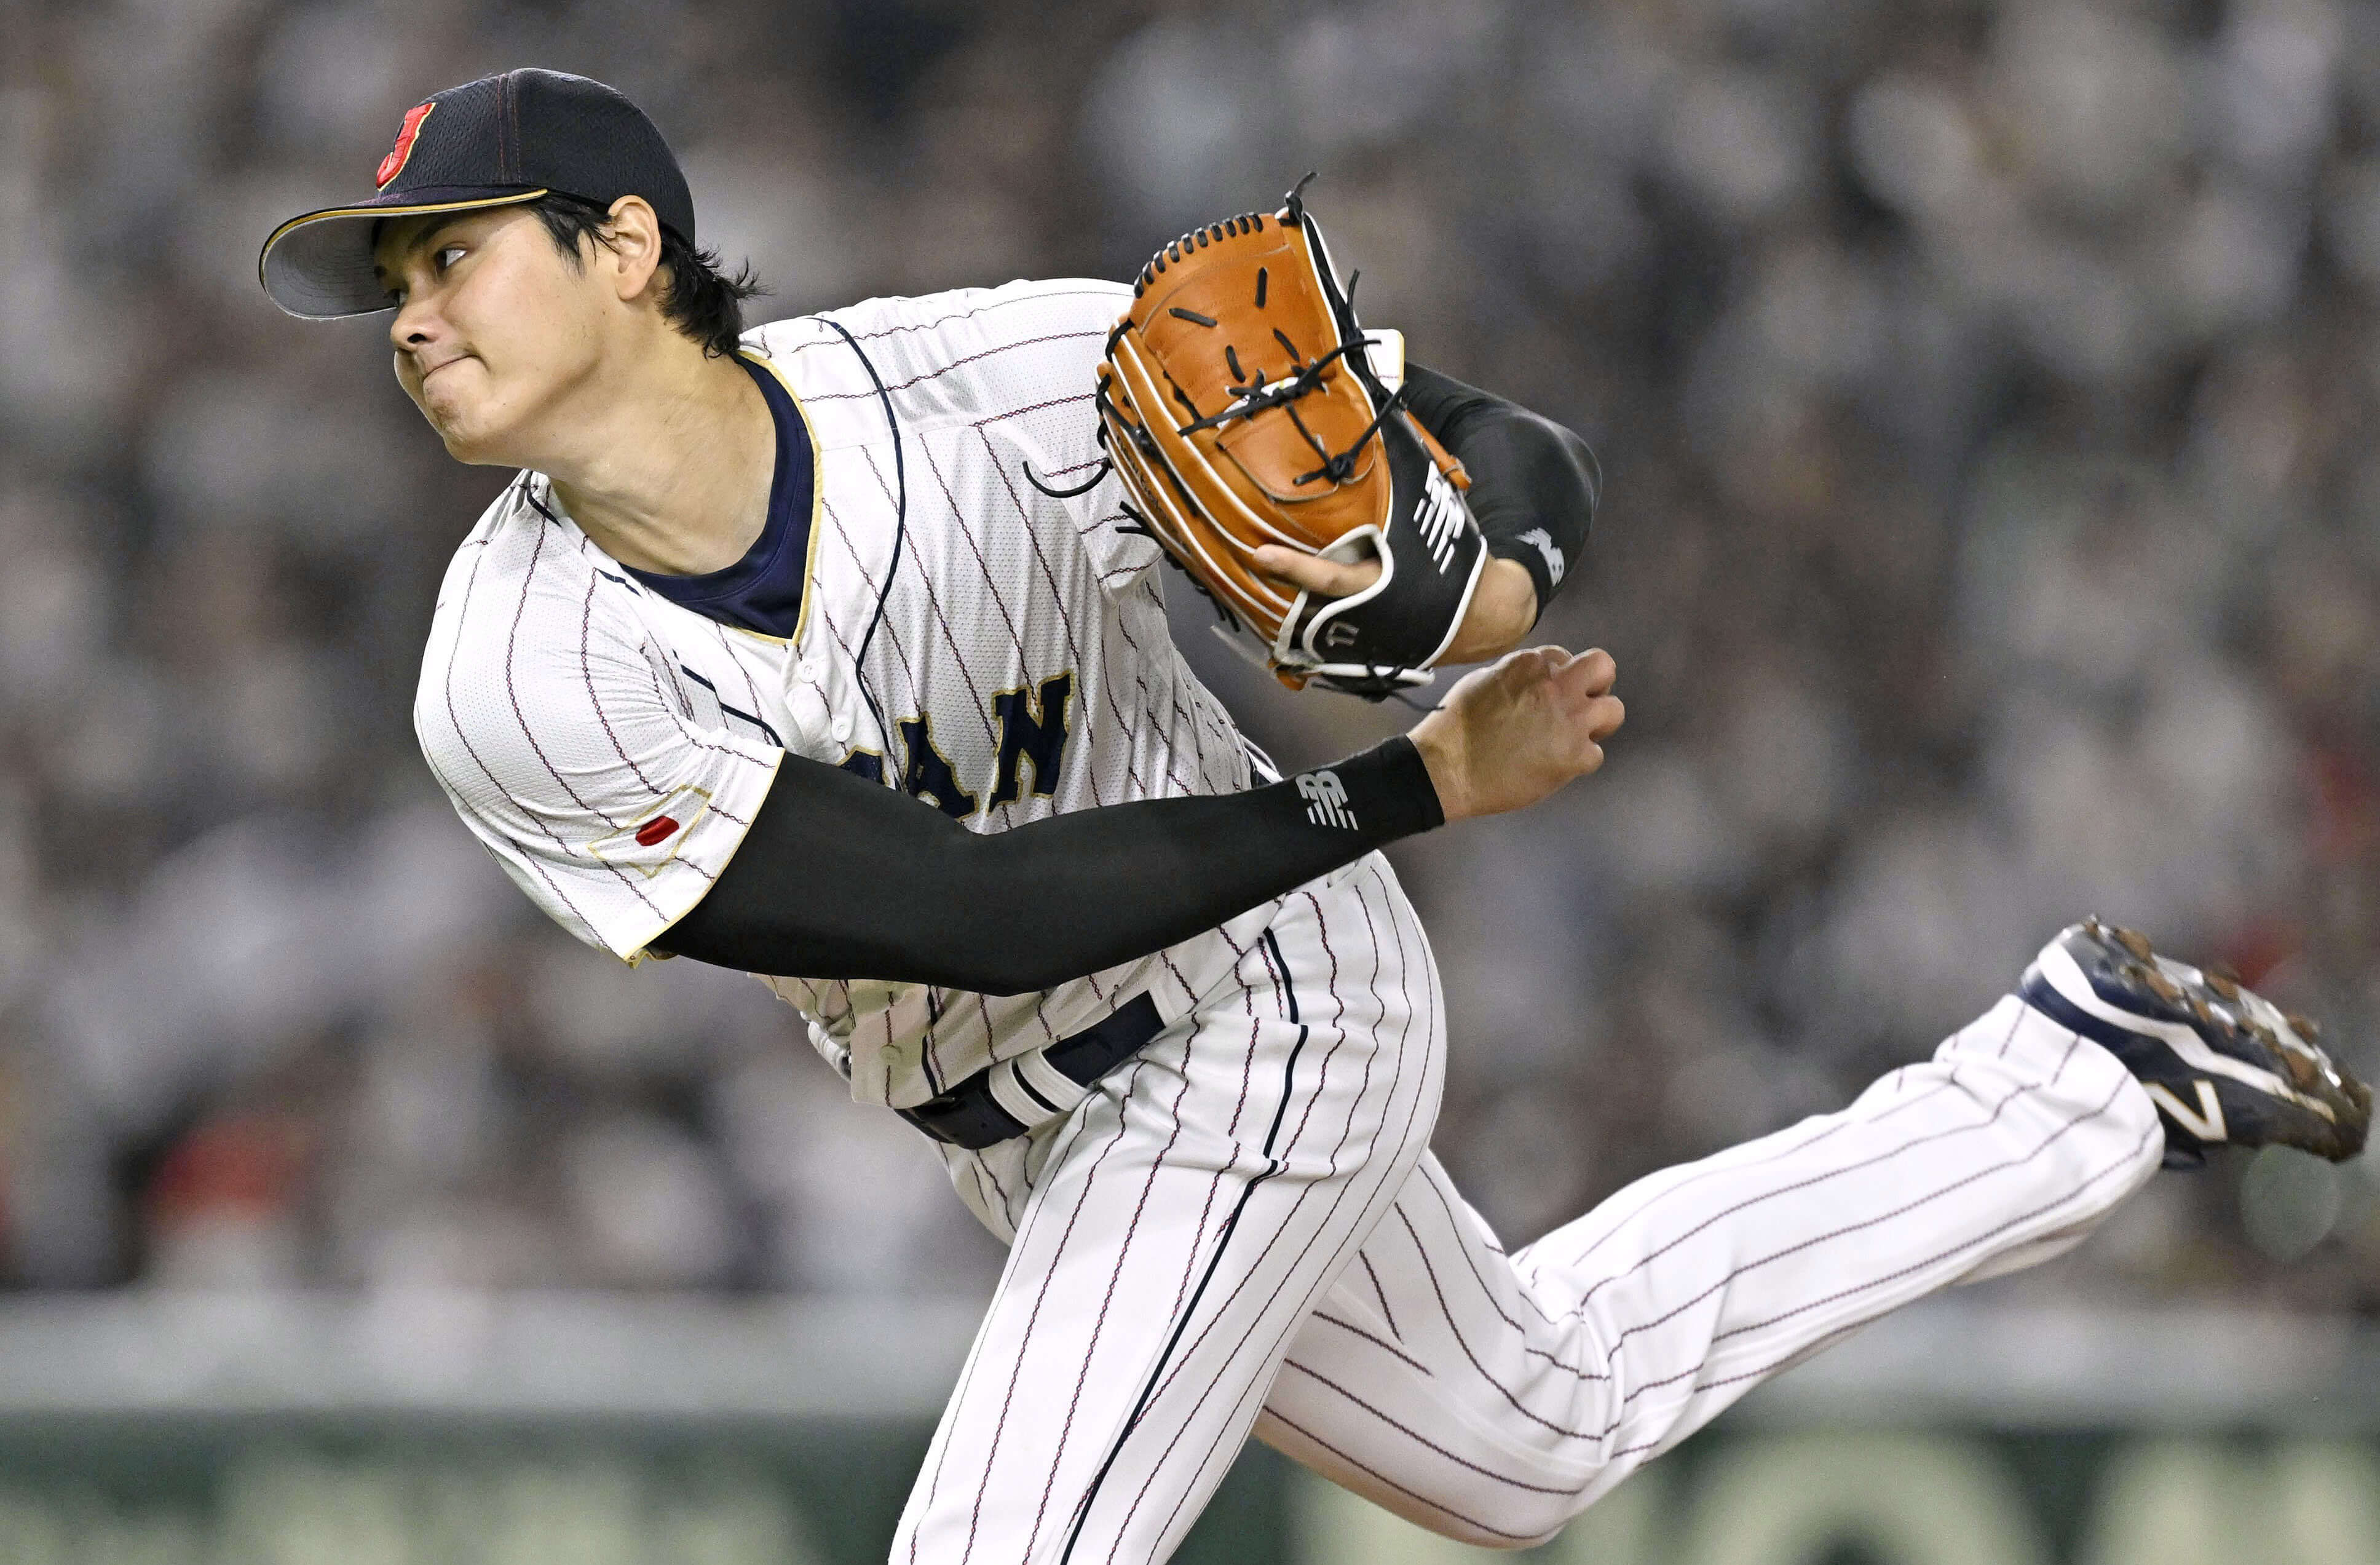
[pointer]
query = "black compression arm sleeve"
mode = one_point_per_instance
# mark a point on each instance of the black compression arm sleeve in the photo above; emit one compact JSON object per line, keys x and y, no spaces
{"x":1527,"y":474}
{"x":838,"y":877}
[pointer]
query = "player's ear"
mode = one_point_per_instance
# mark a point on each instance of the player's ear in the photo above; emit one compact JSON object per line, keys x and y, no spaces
{"x":635,"y":247}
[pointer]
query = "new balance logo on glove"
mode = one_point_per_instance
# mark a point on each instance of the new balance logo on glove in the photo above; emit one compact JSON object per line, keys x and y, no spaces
{"x":1440,"y":517}
{"x":1326,"y":799}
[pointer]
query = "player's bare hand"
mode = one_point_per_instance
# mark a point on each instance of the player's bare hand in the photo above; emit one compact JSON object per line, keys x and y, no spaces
{"x":1312,"y":573}
{"x":1509,"y":735}
{"x":1503,"y":606}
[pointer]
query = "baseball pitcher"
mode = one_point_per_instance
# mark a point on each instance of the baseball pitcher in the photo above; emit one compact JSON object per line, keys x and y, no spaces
{"x":834,"y":651}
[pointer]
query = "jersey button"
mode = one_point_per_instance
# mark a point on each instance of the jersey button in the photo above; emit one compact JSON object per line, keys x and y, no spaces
{"x":809,"y":669}
{"x":890,"y":1055}
{"x":842,"y":728}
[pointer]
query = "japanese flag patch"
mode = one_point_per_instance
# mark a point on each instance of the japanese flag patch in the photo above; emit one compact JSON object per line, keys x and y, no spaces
{"x":648,"y":844}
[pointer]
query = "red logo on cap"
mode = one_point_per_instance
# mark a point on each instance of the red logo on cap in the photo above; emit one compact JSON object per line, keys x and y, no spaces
{"x":394,"y":165}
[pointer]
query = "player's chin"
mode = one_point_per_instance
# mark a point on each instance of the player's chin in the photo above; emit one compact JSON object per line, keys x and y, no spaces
{"x":463,"y":416}
{"x":478,"y":442}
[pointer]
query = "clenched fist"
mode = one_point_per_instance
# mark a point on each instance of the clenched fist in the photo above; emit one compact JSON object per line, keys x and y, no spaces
{"x":1510,"y":733}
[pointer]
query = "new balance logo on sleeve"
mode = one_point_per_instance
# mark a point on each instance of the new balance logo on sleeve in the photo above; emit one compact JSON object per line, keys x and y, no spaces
{"x":1326,"y":799}
{"x":1545,"y":544}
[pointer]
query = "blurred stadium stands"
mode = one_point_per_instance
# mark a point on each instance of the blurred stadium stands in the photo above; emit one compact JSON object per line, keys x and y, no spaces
{"x":1992,"y":535}
{"x":543,"y":1428}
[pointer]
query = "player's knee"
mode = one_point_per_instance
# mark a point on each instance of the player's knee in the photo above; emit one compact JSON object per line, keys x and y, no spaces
{"x":1514,"y":1546}
{"x":1512,"y":1542}
{"x":1506,"y":1528}
{"x":1466,"y":1515}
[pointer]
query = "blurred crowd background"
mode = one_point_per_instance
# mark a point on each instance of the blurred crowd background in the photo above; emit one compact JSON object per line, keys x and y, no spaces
{"x":1992,"y":535}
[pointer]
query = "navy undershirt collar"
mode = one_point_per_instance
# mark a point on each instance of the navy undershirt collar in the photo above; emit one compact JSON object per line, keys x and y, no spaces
{"x":762,"y":591}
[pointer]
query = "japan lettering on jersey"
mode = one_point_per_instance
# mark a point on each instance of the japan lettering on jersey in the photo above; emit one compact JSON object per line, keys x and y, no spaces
{"x":610,"y":746}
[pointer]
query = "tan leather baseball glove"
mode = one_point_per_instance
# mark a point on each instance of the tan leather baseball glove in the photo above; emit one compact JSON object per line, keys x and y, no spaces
{"x":1241,"y":407}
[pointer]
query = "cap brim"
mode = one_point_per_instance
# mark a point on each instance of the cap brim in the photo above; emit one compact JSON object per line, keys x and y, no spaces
{"x":319,"y":267}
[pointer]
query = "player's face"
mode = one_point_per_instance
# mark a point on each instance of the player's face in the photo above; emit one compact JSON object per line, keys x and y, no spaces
{"x":494,"y":329}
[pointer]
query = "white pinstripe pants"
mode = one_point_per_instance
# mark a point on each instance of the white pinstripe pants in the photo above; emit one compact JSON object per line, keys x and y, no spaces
{"x":1185,"y":1268}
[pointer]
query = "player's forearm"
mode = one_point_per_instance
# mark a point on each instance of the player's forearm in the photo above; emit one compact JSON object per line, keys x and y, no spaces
{"x":1503,"y":610}
{"x":840,"y":878}
{"x":1534,"y":484}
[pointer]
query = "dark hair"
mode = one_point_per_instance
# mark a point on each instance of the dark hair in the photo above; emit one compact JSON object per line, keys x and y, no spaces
{"x":699,"y":301}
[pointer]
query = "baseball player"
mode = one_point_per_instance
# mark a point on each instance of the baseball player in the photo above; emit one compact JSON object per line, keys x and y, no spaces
{"x":831,"y":651}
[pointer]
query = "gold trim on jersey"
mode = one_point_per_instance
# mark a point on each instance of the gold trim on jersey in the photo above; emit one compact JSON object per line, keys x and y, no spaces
{"x":817,"y":489}
{"x":683,"y":832}
{"x":644,"y":952}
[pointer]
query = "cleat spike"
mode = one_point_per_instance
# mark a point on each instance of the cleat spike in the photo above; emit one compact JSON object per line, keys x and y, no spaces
{"x":2273,"y":1088}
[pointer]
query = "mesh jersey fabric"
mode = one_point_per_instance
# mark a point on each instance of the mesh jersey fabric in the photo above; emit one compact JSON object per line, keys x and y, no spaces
{"x":1022,"y":666}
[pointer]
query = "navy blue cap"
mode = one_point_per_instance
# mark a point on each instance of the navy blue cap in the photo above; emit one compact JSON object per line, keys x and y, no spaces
{"x":491,"y":142}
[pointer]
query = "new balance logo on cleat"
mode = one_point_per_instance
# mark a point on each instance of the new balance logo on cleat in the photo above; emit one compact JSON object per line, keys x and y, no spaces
{"x":2222,"y":1064}
{"x":2205,"y":1121}
{"x":1543,"y":541}
{"x":1326,"y":799}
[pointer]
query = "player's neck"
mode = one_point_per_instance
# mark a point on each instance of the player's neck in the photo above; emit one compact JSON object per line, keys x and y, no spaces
{"x":668,"y":467}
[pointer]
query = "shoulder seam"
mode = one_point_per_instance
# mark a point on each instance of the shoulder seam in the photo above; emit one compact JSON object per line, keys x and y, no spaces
{"x":1032,"y":298}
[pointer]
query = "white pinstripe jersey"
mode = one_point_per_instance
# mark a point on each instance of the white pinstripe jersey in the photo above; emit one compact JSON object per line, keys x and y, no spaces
{"x":608,"y":747}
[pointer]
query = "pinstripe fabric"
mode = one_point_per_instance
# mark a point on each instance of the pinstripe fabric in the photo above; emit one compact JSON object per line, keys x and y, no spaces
{"x":1241,"y":1231}
{"x":564,"y":707}
{"x":561,"y":732}
{"x":1492,"y":1399}
{"x":1172,"y":1286}
{"x":1000,"y":588}
{"x":1171,"y":1234}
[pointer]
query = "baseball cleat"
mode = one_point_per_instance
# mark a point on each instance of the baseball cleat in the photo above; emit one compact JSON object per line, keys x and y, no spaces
{"x":2223,"y":1064}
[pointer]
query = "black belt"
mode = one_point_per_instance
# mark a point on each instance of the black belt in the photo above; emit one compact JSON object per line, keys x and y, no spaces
{"x":1014,"y":1095}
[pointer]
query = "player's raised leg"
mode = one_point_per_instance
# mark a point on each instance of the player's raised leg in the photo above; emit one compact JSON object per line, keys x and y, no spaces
{"x":1491,"y":1400}
{"x":1165,"y":1255}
